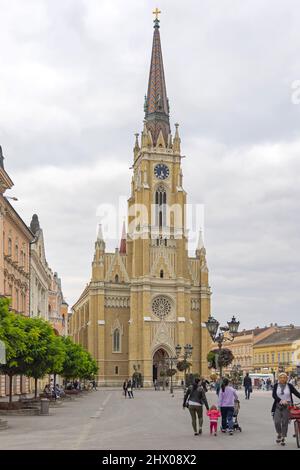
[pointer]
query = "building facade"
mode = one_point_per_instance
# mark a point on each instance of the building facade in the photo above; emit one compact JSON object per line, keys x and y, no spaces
{"x":278,"y":352}
{"x":25,"y":276}
{"x":15,"y":239}
{"x":40,"y":274}
{"x":242,"y":347}
{"x":149,"y":295}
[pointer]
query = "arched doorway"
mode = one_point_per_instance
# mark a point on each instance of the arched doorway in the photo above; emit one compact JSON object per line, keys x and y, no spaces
{"x":159,"y":363}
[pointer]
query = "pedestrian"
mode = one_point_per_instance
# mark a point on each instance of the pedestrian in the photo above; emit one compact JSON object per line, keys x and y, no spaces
{"x":227,"y":396}
{"x":248,"y":386}
{"x":194,"y":399}
{"x":283,"y":397}
{"x":129,"y":389}
{"x":204,"y":384}
{"x":213,"y":414}
{"x":155,"y":384}
{"x":94,"y":385}
{"x":218,"y":386}
{"x":125,"y":385}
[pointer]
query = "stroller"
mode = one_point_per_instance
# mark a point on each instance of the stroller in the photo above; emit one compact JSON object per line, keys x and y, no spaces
{"x":236,"y":426}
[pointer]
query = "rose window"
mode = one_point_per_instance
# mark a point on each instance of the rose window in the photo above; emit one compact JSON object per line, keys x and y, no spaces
{"x":161,"y":307}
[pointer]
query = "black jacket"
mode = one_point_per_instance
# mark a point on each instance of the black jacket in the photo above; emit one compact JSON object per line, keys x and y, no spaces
{"x":293,"y":391}
{"x":247,"y":382}
{"x":197,"y":395}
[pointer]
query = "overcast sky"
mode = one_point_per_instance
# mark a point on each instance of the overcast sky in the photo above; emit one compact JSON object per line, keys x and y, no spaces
{"x":73,"y":77}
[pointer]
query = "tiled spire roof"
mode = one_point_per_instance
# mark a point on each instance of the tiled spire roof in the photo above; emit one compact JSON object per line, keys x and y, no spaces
{"x":156,"y":101}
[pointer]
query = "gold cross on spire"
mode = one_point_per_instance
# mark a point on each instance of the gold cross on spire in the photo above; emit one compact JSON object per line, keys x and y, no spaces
{"x":156,"y":12}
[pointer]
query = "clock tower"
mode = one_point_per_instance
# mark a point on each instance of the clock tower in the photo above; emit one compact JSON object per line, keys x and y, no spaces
{"x":150,"y":296}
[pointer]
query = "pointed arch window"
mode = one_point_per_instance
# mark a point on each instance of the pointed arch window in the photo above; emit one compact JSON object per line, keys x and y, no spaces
{"x":117,"y":340}
{"x":116,"y":278}
{"x":161,"y":202}
{"x":161,"y":273}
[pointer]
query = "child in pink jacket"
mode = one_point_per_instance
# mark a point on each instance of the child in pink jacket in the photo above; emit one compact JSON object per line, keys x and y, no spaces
{"x":213,"y":414}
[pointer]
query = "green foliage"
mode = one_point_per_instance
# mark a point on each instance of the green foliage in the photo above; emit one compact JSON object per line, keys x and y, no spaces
{"x":217,"y":358}
{"x":33,"y":349}
{"x":77,"y":363}
{"x":183,"y":365}
{"x":12,"y":333}
{"x":171,"y":372}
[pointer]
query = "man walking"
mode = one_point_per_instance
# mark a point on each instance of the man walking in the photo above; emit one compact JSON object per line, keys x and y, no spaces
{"x":248,"y":386}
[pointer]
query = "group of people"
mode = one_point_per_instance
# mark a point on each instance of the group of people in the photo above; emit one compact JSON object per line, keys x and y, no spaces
{"x":128,"y":388}
{"x":54,"y":391}
{"x":195,"y":398}
{"x":283,"y":392}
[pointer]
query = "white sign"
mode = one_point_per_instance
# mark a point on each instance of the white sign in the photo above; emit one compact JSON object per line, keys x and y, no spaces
{"x":2,"y":353}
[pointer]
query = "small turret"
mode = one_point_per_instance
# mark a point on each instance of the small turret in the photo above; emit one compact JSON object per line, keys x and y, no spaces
{"x":98,"y":262}
{"x":122,"y":250}
{"x":34,"y":224}
{"x":200,"y":250}
{"x":176,"y":140}
{"x":136,"y":147}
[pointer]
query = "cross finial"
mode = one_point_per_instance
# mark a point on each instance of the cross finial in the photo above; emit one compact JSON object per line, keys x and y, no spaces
{"x":156,"y":12}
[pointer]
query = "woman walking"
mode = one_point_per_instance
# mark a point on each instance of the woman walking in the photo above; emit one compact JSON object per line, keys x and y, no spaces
{"x":194,"y":399}
{"x":283,"y":397}
{"x":227,"y":396}
{"x":129,"y":389}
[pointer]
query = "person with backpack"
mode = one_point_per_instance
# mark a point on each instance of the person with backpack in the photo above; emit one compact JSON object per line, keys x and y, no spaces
{"x":194,"y":399}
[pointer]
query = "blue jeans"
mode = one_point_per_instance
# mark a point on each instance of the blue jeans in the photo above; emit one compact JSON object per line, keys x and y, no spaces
{"x":227,"y":417}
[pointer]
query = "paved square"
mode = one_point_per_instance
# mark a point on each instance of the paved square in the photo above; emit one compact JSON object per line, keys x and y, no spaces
{"x":151,"y":421}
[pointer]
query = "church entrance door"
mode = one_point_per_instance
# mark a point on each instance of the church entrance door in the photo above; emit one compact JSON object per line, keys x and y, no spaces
{"x":160,"y":367}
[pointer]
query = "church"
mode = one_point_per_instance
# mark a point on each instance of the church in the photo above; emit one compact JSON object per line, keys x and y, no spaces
{"x":149,"y":296}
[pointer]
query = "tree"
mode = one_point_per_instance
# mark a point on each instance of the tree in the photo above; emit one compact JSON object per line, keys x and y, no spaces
{"x":12,"y":333}
{"x":45,"y":352}
{"x":77,"y":362}
{"x":88,"y":367}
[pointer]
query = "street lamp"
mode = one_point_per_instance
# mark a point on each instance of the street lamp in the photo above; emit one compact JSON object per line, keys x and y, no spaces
{"x":188,"y":351}
{"x":213,"y":326}
{"x":171,"y":361}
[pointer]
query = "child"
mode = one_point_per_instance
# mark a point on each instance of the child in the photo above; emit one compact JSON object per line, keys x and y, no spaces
{"x":213,"y":414}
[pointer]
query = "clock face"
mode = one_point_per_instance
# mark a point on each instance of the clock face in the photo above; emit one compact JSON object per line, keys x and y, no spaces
{"x":161,"y":171}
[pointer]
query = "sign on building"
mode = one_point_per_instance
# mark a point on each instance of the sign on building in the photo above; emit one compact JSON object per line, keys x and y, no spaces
{"x":2,"y":353}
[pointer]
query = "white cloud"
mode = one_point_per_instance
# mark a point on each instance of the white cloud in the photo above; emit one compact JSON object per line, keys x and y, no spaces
{"x":73,"y":76}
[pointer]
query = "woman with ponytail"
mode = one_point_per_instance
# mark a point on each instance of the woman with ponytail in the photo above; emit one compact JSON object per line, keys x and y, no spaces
{"x":227,"y":397}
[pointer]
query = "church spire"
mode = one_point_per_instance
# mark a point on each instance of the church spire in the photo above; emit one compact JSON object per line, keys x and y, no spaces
{"x":156,"y":102}
{"x":122,"y":250}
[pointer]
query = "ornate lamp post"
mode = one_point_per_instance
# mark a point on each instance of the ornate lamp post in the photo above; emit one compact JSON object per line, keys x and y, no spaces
{"x":188,"y":351}
{"x":171,"y":361}
{"x":213,"y":326}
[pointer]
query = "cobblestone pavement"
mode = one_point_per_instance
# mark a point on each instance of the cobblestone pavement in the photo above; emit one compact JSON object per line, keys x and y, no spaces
{"x":151,"y":421}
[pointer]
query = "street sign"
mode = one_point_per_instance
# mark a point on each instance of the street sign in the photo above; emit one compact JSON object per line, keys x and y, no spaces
{"x":2,"y":353}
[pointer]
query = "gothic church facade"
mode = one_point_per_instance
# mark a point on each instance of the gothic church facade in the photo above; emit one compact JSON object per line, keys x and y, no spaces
{"x":149,"y":295}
